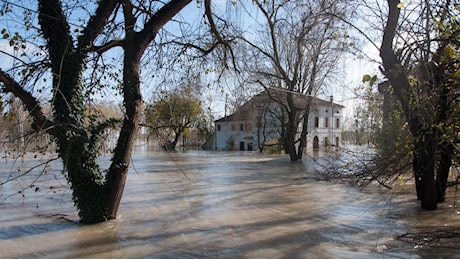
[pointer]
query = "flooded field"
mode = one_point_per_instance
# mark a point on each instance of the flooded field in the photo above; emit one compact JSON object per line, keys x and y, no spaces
{"x":200,"y":204}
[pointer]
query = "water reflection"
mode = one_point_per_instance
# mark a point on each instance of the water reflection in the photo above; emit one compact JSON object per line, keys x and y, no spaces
{"x":212,"y":205}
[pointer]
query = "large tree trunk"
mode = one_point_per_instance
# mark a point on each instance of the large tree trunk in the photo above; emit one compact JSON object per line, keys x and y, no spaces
{"x":72,"y":138}
{"x":132,"y":100}
{"x":304,"y":133}
{"x":97,"y":197}
{"x":424,"y":139}
{"x":416,"y":162}
{"x":177,"y":135}
{"x":424,"y":170}
{"x":445,"y":162}
{"x":291,"y":129}
{"x":88,"y":189}
{"x":446,"y":148}
{"x":290,"y":137}
{"x":134,"y":46}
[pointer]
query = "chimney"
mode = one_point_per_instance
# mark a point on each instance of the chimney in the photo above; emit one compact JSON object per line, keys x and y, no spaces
{"x":332,"y":98}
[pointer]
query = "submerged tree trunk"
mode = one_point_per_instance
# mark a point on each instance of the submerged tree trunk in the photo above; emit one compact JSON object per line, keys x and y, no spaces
{"x":304,"y":133}
{"x":446,"y":147}
{"x":424,"y":139}
{"x":72,"y":137}
{"x":291,"y":129}
{"x":290,"y":141}
{"x":171,"y":145}
{"x":132,"y":99}
{"x":445,"y":162}
{"x":425,"y":170}
{"x":96,"y":196}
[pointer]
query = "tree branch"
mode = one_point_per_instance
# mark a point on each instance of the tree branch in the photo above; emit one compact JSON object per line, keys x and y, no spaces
{"x":96,"y":24}
{"x":107,"y":46}
{"x":276,"y":56}
{"x":160,"y":18}
{"x":55,"y":29}
{"x":216,"y":33}
{"x":32,"y":105}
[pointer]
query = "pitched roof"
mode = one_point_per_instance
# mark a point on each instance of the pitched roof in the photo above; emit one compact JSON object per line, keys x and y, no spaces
{"x":301,"y":101}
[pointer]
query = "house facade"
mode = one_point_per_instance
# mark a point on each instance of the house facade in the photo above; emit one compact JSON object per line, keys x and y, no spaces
{"x":258,"y":122}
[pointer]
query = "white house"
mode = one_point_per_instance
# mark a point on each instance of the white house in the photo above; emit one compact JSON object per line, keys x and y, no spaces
{"x":259,"y":121}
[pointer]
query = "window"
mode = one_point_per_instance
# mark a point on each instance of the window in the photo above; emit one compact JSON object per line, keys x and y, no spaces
{"x":326,"y":122}
{"x":218,"y":128}
{"x":241,"y":127}
{"x":316,"y":122}
{"x":337,"y":123}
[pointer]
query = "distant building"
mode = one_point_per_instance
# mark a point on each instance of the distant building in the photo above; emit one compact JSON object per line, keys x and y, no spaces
{"x":258,"y":122}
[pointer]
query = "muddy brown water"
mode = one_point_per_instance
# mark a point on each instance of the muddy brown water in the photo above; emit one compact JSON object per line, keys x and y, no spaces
{"x":200,"y":204}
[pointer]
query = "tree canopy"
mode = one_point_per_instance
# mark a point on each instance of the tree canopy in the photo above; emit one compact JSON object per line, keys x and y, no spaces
{"x":174,"y":111}
{"x":295,"y":48}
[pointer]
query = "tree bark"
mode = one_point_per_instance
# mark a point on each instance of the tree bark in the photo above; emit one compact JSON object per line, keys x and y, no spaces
{"x":424,"y":139}
{"x":304,"y":133}
{"x":445,"y":162}
{"x":134,"y":46}
{"x":291,"y":129}
{"x":97,"y":197}
{"x":72,"y":137}
{"x":425,"y":170}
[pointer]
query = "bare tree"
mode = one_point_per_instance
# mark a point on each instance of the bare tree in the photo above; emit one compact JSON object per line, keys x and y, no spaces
{"x":294,"y":50}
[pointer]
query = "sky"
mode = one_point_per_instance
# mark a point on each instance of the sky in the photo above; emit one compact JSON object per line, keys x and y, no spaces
{"x":353,"y":68}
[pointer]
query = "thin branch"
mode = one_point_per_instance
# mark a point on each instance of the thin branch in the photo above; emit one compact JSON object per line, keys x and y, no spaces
{"x":29,"y":170}
{"x":216,"y":33}
{"x":107,"y":46}
{"x":31,"y":103}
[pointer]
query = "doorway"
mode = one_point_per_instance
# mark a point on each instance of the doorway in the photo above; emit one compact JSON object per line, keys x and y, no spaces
{"x":315,"y":143}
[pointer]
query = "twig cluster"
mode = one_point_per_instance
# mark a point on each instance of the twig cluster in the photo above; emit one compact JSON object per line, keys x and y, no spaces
{"x":362,"y":167}
{"x":433,"y":238}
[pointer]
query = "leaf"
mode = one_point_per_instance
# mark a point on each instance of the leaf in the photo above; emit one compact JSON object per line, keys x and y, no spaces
{"x":457,"y":73}
{"x":366,"y":78}
{"x":370,"y":79}
{"x":400,"y":5}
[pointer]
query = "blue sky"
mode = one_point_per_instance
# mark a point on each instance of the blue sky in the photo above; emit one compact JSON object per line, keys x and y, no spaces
{"x":353,"y":68}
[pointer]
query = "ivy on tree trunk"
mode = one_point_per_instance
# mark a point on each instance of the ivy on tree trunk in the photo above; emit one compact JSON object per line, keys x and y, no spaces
{"x":96,"y":194}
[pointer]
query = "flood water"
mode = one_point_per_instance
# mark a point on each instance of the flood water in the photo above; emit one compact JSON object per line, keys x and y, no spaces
{"x":200,"y":204}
